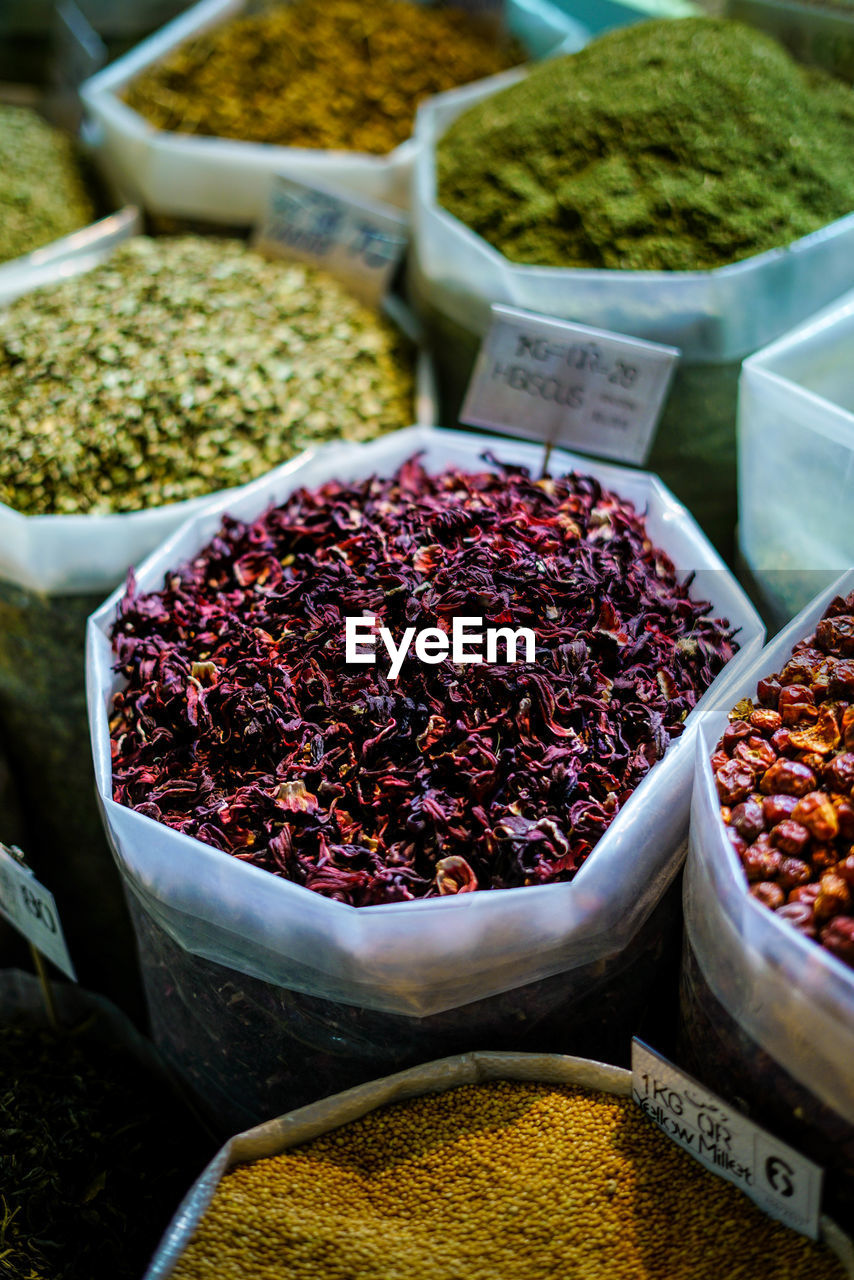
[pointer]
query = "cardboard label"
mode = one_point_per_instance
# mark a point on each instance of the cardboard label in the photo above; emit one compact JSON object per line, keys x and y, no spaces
{"x":778,"y":1179}
{"x":29,"y":907}
{"x":565,"y":383}
{"x":357,"y":240}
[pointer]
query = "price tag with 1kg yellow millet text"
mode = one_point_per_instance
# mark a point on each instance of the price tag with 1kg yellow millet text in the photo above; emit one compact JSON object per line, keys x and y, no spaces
{"x":775,"y":1176}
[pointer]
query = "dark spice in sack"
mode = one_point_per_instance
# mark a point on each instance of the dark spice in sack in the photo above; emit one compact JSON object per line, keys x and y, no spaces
{"x":250,"y":1049}
{"x":44,"y":732}
{"x":96,"y":1153}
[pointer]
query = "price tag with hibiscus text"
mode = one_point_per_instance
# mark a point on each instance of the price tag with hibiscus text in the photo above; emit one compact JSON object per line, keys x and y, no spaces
{"x":565,"y":383}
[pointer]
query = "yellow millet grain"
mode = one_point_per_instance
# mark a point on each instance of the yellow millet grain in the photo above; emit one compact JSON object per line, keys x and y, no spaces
{"x":504,"y":1181}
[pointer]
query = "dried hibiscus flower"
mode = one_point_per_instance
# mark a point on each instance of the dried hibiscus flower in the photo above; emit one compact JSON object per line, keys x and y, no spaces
{"x":242,"y":723}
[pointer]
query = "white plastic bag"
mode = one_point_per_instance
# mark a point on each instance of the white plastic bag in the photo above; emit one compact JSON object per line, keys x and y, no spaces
{"x":716,"y":317}
{"x":413,"y":957}
{"x":301,"y":1126}
{"x":768,"y":1014}
{"x":262,"y":991}
{"x":796,"y":460}
{"x":229,"y":181}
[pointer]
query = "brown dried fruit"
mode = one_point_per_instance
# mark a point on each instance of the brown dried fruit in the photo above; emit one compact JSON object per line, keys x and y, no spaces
{"x":790,"y":837}
{"x":765,"y":721}
{"x":768,"y":893}
{"x":788,"y":777}
{"x":800,"y":916}
{"x":777,"y":808}
{"x":815,"y":812}
{"x":838,"y":937}
{"x":794,"y":872}
{"x":748,"y":819}
{"x":734,"y":781}
{"x":822,"y":738}
{"x":834,"y":897}
{"x":756,"y":753}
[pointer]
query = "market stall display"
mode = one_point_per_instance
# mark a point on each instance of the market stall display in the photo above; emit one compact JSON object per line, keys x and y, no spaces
{"x":525,"y":1161}
{"x":392,"y":731}
{"x":332,"y":992}
{"x":796,"y":435}
{"x":129,"y":394}
{"x":647,"y":220}
{"x":344,"y":118}
{"x":768,"y":991}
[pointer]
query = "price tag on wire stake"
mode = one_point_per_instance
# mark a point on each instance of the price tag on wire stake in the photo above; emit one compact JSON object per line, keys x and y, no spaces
{"x":30,"y":908}
{"x":778,"y":1179}
{"x":359,"y":241}
{"x":565,"y":383}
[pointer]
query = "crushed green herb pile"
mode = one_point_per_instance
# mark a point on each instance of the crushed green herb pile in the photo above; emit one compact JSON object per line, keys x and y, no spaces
{"x":493,"y":1180}
{"x":42,"y":192}
{"x":94,"y":1158}
{"x":182,"y":366}
{"x":662,"y":146}
{"x":335,"y":73}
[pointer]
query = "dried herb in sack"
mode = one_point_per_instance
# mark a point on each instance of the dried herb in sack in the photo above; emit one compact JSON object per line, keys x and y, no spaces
{"x":242,"y":725}
{"x":42,"y":192}
{"x":184,"y":365}
{"x":336,"y":74}
{"x":666,"y":145}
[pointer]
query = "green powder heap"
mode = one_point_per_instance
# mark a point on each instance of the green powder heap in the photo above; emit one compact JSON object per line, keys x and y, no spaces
{"x":42,"y":194}
{"x":663,"y":146}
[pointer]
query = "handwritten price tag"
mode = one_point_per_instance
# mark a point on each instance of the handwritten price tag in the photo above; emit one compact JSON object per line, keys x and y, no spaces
{"x":565,"y":383}
{"x":780,"y":1180}
{"x":29,"y":907}
{"x":356,"y":240}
